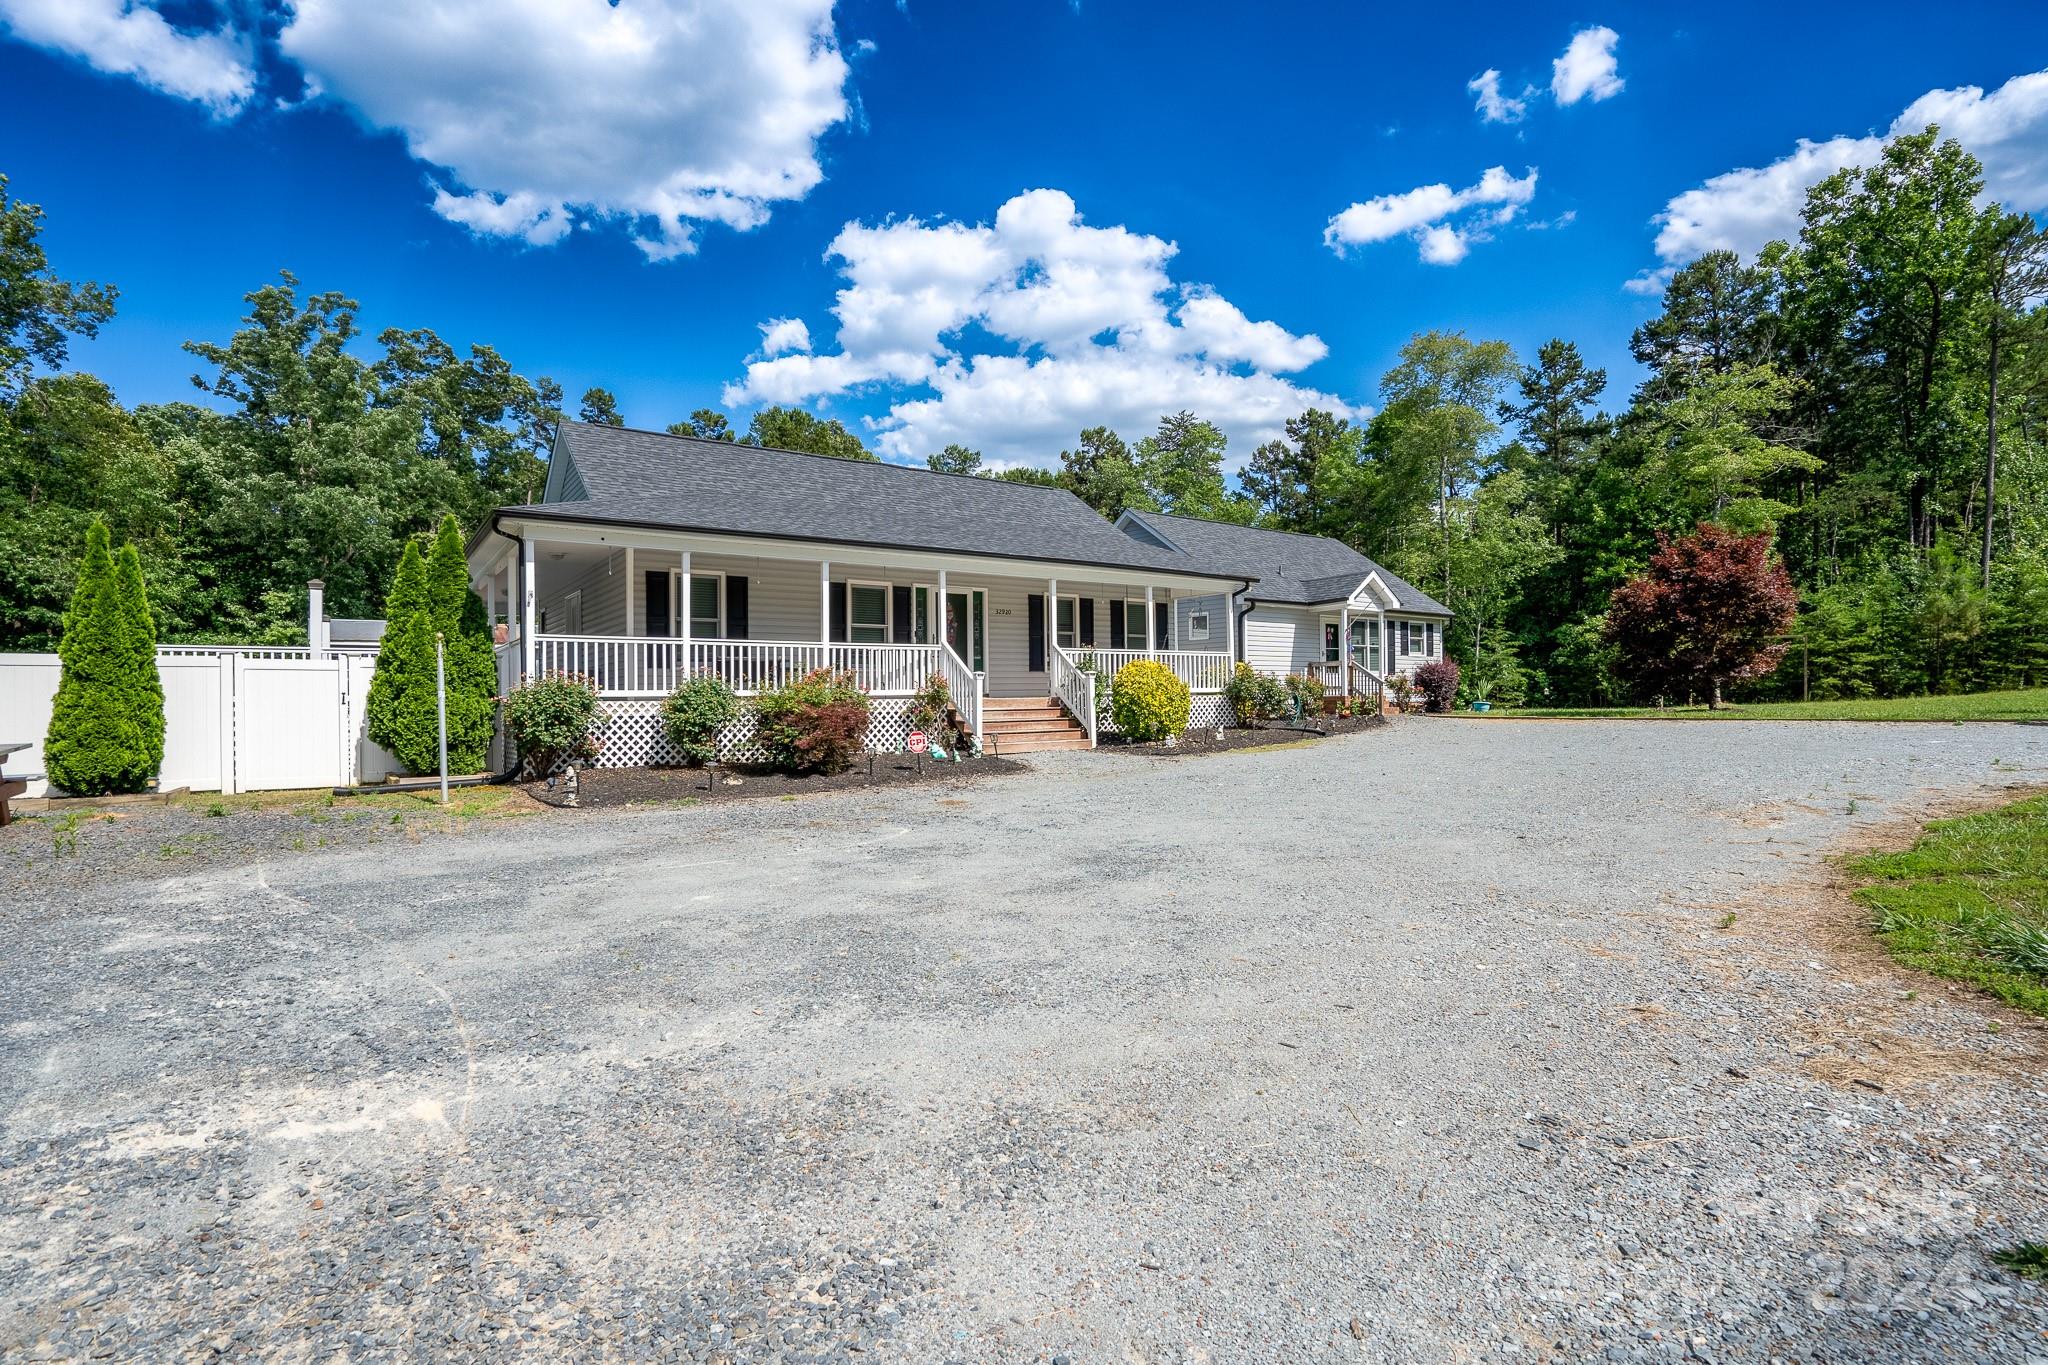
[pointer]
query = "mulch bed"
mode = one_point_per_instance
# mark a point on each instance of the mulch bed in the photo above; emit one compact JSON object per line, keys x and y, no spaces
{"x":1209,"y":741}
{"x":614,"y":788}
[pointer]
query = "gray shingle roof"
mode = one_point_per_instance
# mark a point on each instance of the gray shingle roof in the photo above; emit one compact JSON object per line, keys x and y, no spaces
{"x":1291,"y":567}
{"x":642,"y":478}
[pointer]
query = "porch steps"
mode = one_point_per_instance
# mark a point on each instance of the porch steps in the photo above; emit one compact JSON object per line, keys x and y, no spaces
{"x":1030,"y":725}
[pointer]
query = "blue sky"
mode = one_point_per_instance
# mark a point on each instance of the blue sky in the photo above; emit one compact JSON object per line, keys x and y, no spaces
{"x":627,"y":195}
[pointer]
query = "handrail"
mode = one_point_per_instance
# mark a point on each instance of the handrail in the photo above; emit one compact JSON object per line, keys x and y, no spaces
{"x":964,"y":683}
{"x":1202,"y":670}
{"x":1075,"y":688}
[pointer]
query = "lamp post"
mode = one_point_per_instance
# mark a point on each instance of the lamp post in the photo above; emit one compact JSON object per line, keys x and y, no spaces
{"x":441,"y":707}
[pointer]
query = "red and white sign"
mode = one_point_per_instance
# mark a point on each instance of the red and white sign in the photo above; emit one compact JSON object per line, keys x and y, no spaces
{"x":918,"y":743}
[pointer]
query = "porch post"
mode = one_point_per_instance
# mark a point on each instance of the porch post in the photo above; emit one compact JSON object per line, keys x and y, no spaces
{"x":824,"y":601}
{"x":632,"y":617}
{"x":939,"y":616}
{"x":1344,"y":650}
{"x":1052,"y":623}
{"x":1151,"y":629}
{"x":527,"y":644}
{"x":683,"y":620}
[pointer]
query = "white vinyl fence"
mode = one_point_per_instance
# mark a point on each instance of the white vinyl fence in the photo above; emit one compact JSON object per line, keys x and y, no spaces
{"x":236,"y":720}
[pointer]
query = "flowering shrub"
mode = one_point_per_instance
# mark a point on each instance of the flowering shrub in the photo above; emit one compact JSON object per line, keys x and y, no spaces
{"x":1254,"y":698}
{"x":1149,"y":701}
{"x":1438,"y":682}
{"x":695,"y":713}
{"x":553,"y":719}
{"x":814,"y":724}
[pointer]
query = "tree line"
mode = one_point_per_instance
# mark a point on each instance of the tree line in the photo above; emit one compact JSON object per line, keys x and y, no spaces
{"x":1869,"y":396}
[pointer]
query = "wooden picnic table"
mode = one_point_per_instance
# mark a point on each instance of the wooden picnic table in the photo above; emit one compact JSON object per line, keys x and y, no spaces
{"x":11,"y":787}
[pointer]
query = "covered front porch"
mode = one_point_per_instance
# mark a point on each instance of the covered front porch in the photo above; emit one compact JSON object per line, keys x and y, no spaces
{"x":637,"y":611}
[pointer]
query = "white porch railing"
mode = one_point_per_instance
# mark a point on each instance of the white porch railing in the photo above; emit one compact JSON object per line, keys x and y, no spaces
{"x":643,"y":667}
{"x":965,"y":685}
{"x":1075,"y":689}
{"x":1201,"y":670}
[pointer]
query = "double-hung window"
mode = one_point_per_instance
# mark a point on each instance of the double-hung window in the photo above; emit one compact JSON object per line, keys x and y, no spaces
{"x":1065,"y":633}
{"x":867,"y":613}
{"x":1134,"y":625}
{"x":707,"y":606}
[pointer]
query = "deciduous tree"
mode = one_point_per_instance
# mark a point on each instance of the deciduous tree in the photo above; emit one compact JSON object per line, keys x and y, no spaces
{"x":1712,"y":609}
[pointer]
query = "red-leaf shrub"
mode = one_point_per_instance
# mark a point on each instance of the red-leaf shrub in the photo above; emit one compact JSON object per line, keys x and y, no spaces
{"x":1438,"y":682}
{"x":1712,"y":608}
{"x":815,"y":724}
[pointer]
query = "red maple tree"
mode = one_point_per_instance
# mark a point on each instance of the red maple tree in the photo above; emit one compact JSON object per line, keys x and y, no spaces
{"x":1712,"y":608}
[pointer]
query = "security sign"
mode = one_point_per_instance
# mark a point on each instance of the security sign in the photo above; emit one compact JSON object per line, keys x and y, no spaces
{"x":918,"y":742}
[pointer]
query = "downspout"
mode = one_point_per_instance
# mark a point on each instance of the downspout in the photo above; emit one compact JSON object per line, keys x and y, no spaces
{"x":1238,"y":633}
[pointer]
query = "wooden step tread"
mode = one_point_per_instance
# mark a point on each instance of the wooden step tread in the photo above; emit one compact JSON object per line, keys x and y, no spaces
{"x":1033,"y":727}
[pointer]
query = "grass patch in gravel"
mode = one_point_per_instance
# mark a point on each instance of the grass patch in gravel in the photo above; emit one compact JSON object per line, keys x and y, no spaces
{"x":2030,"y":704}
{"x":2028,"y":1259}
{"x":1969,"y":901}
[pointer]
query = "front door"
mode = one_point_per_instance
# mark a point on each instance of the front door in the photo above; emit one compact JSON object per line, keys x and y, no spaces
{"x":963,"y":628}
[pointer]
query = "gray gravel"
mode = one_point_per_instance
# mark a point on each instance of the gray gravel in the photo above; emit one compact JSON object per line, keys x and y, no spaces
{"x":1416,"y":1045}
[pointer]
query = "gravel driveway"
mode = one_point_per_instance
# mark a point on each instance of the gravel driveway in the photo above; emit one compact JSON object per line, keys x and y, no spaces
{"x":1432,"y":1043}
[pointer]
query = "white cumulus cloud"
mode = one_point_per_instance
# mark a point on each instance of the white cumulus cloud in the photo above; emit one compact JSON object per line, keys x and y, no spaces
{"x":1588,"y":69}
{"x":1493,"y":106}
{"x":1425,"y":213}
{"x":781,"y":335}
{"x":1088,"y":328}
{"x":669,"y":113}
{"x":1742,"y":209}
{"x":532,"y":115}
{"x":129,"y":38}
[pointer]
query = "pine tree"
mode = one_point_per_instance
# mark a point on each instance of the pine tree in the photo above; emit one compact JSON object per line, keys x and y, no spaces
{"x":147,"y":682}
{"x":402,"y":688}
{"x":431,"y":594}
{"x":471,"y":662}
{"x":99,"y":741}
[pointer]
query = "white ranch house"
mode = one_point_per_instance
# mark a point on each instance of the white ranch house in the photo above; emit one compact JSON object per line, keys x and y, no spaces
{"x":652,"y":557}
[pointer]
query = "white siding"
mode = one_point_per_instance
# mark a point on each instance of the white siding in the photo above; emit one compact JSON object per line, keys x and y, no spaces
{"x":1407,"y":661}
{"x":1283,"y":639}
{"x":604,"y":598}
{"x":1219,"y":633}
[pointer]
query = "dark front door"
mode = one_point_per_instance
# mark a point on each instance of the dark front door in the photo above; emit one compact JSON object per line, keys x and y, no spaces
{"x":962,"y":628}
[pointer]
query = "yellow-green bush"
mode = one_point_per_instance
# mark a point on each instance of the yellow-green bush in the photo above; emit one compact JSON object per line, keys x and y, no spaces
{"x":1148,"y":701}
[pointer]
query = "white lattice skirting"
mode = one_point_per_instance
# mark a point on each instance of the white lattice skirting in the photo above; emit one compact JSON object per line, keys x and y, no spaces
{"x":1206,"y":711}
{"x":633,"y":738}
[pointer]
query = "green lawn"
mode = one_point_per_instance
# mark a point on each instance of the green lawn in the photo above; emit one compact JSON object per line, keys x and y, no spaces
{"x":2031,"y":704}
{"x":1969,"y":901}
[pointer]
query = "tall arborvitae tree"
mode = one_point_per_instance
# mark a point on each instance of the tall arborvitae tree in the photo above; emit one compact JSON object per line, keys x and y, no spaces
{"x":140,"y":642}
{"x":471,"y":664}
{"x":102,"y":721}
{"x":405,"y":670}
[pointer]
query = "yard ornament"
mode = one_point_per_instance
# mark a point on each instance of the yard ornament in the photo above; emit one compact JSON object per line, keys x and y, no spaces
{"x":569,"y":786}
